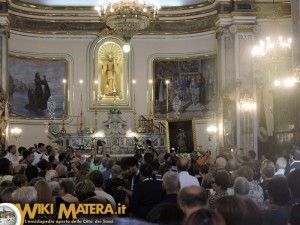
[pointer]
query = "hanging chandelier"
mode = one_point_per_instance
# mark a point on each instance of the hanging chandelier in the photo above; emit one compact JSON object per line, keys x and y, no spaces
{"x":272,"y":47}
{"x":127,"y":17}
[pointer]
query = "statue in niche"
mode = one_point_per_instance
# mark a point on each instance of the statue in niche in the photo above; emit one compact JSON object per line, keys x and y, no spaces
{"x":110,"y":70}
{"x":181,"y":141}
{"x":229,"y":127}
{"x":4,"y":106}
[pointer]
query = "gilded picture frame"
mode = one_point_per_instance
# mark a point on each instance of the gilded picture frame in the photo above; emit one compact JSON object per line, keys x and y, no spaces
{"x":181,"y":135}
{"x":109,"y":71}
{"x":36,"y":80}
{"x":192,"y":83}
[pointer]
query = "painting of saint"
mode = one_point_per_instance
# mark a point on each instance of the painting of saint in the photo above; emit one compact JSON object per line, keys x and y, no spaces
{"x":32,"y":81}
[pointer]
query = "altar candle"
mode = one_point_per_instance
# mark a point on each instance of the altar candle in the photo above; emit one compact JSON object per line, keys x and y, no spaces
{"x":96,"y":91}
{"x":81,"y":82}
{"x":64,"y":96}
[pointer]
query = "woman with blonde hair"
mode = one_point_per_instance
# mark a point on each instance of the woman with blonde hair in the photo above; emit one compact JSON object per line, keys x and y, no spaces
{"x":44,"y":192}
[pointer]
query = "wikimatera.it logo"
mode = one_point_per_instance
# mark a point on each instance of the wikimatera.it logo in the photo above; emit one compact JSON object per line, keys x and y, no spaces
{"x":15,"y":214}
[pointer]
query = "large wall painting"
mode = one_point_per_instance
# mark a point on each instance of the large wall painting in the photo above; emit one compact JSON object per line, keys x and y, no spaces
{"x":192,"y":80}
{"x":33,"y":82}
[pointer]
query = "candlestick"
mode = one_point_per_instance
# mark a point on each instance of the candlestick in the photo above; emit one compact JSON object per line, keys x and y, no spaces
{"x":96,"y":91}
{"x":64,"y":97}
{"x":167,"y":83}
{"x":81,"y":113}
{"x":96,"y":109}
{"x":134,"y":112}
{"x":150,"y":96}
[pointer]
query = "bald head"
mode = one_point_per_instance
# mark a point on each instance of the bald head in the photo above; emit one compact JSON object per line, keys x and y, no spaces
{"x":19,"y":169}
{"x":221,"y":163}
{"x":61,"y":171}
{"x":191,"y":199}
{"x":183,"y":164}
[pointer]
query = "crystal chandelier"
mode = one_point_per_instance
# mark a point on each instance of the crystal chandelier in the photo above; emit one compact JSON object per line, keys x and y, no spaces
{"x":272,"y":47}
{"x":127,"y":17}
{"x":247,"y":103}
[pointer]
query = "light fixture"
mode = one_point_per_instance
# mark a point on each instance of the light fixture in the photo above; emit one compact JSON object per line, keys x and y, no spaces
{"x":247,"y":103}
{"x":127,"y":16}
{"x":126,"y":48}
{"x":16,"y":132}
{"x":275,"y":45}
{"x":289,"y":82}
{"x":277,"y":83}
{"x":212,"y":129}
{"x":272,"y":47}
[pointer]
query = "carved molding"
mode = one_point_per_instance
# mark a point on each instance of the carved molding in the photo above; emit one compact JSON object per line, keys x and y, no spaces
{"x":242,"y":28}
{"x":229,"y":94}
{"x":205,"y":19}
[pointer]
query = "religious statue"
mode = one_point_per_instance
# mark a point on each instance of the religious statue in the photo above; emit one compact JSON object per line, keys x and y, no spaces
{"x":181,"y":141}
{"x":111,"y":72}
{"x":3,"y":118}
{"x":229,"y":127}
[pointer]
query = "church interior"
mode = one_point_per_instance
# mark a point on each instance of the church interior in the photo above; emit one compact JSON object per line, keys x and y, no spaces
{"x":188,"y":75}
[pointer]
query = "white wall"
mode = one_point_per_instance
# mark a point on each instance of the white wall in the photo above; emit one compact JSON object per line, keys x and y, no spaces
{"x":145,"y":49}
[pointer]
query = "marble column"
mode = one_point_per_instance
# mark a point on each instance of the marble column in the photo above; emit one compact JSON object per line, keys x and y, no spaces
{"x":295,"y":10}
{"x":236,"y":78}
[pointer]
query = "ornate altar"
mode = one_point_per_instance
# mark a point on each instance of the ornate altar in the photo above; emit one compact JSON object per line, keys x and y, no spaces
{"x":118,"y":137}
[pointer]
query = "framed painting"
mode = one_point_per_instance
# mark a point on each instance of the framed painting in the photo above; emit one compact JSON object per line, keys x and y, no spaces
{"x":181,"y":136}
{"x":188,"y":84}
{"x":38,"y":86}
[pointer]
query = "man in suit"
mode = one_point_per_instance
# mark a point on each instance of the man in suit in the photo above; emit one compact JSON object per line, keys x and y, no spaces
{"x":146,"y":194}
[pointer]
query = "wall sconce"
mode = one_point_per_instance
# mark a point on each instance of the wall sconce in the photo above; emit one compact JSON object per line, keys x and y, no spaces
{"x":247,"y":103}
{"x":16,"y":132}
{"x":211,"y":131}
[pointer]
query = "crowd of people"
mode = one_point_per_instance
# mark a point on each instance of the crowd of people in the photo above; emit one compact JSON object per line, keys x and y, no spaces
{"x":164,"y":189}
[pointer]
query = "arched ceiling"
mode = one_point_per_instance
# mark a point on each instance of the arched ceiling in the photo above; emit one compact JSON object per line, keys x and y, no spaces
{"x":163,"y":3}
{"x":177,"y":17}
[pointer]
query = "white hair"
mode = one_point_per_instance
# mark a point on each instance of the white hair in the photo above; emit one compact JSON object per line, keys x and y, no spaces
{"x":24,"y":195}
{"x":171,"y":181}
{"x":50,"y":174}
{"x":221,"y":163}
{"x":241,"y":186}
{"x":281,"y":163}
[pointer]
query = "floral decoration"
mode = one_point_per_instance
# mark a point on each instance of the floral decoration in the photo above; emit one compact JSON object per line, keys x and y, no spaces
{"x":115,"y":111}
